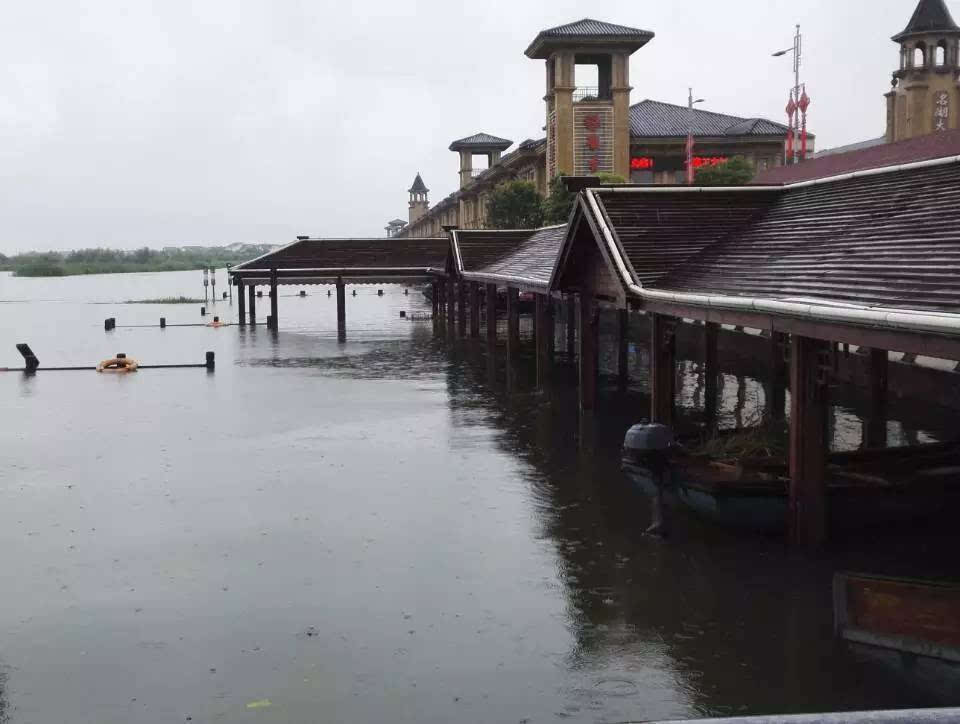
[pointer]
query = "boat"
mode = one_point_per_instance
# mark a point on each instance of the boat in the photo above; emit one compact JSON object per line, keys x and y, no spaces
{"x":864,"y":488}
{"x":910,"y":615}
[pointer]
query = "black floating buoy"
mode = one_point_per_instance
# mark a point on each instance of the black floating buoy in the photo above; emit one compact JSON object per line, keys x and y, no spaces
{"x":259,"y":293}
{"x":110,"y":323}
{"x":354,"y":292}
{"x":379,"y":292}
{"x":406,"y":292}
{"x":403,"y":314}
{"x":216,"y":320}
{"x":328,"y":292}
{"x":224,"y":295}
{"x":203,"y":311}
{"x":303,"y":293}
{"x":163,"y":322}
{"x":121,"y":355}
{"x":210,"y":361}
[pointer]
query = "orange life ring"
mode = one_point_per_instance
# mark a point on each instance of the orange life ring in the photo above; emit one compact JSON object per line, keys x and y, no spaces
{"x":118,"y":364}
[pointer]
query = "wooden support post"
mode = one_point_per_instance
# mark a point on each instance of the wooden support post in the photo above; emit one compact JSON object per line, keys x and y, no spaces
{"x":711,"y":373}
{"x":462,"y":308}
{"x":274,"y":298}
{"x":491,"y":314}
{"x":252,"y":298}
{"x":513,"y":323}
{"x":776,"y":387}
{"x":587,"y":353}
{"x":434,"y":300}
{"x":442,"y":299}
{"x":571,"y":326}
{"x":451,"y":307}
{"x":474,"y":310}
{"x":809,"y":378}
{"x":875,"y":425}
{"x":241,"y":303}
{"x":551,"y":329}
{"x":543,"y":360}
{"x":341,"y":310}
{"x":623,"y":342}
{"x":663,"y":345}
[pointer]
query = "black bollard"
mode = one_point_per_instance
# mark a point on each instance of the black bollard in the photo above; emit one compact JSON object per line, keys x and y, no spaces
{"x":163,"y":322}
{"x":210,"y":361}
{"x":269,"y":322}
{"x":379,"y":292}
{"x":303,"y":293}
{"x":203,"y":311}
{"x":328,"y":293}
{"x":216,"y":320}
{"x":406,"y":292}
{"x":259,"y":294}
{"x":403,"y":315}
{"x":121,"y":355}
{"x":354,"y":292}
{"x":224,"y":295}
{"x":109,"y":324}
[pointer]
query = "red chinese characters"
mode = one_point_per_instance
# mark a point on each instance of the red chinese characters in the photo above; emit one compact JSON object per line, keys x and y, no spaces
{"x":642,"y":163}
{"x":700,"y":161}
{"x":592,"y":123}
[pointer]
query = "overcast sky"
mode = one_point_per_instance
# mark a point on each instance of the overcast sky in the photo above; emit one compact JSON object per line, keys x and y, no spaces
{"x":130,"y":123}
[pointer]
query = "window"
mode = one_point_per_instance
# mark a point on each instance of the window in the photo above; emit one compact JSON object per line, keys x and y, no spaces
{"x":920,"y":56}
{"x":641,"y":177}
{"x":941,"y":53}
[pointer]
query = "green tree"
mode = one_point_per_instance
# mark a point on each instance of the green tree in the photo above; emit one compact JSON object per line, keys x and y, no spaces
{"x":610,"y":179}
{"x":514,"y":205}
{"x":735,"y":172}
{"x":559,"y":201}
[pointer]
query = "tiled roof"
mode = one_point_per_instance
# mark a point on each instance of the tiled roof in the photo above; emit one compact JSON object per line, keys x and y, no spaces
{"x":418,"y":186}
{"x":589,"y":30}
{"x":931,"y":16}
{"x":858,"y":146}
{"x":922,"y":148}
{"x":889,"y":240}
{"x":657,"y":119}
{"x":481,"y":141}
{"x":343,"y":254}
{"x":526,"y":257}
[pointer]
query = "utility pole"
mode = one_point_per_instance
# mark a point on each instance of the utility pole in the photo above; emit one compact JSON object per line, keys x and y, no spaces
{"x":798,"y":100}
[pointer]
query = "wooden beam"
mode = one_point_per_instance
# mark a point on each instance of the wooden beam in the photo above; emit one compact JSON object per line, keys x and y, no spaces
{"x":663,"y":345}
{"x":587,"y":353}
{"x":474,"y":310}
{"x":542,"y":326}
{"x":252,"y":298}
{"x":623,"y":343}
{"x":491,"y":314}
{"x":711,"y":373}
{"x":513,"y":323}
{"x":875,"y":424}
{"x":810,"y":367}
{"x":462,"y":308}
{"x":274,"y":299}
{"x":241,"y":303}
{"x":776,"y":386}
{"x":341,"y":311}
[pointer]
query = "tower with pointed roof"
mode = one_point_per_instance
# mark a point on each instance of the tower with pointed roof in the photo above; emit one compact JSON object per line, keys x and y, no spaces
{"x":588,"y":128}
{"x":925,"y":97}
{"x":419,"y":202}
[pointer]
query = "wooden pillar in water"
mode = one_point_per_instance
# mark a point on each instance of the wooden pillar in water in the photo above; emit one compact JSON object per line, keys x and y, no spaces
{"x":442,"y":299}
{"x":341,"y":310}
{"x":875,"y":425}
{"x":434,"y":300}
{"x":571,"y":304}
{"x":462,"y":308}
{"x":513,"y":323}
{"x":586,"y":353}
{"x":711,"y":373}
{"x":551,"y":328}
{"x":241,"y":302}
{"x":451,"y":307}
{"x":776,"y":387}
{"x":809,"y":377}
{"x":663,"y":345}
{"x":252,"y":298}
{"x":491,"y":314}
{"x":273,"y":298}
{"x":475,"y":310}
{"x":542,"y":326}
{"x":623,"y":342}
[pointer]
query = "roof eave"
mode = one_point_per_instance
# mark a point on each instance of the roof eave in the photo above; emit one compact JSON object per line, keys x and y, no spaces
{"x":543,"y":46}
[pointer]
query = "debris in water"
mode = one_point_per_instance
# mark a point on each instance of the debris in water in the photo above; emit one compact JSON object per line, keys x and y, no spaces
{"x":259,"y":704}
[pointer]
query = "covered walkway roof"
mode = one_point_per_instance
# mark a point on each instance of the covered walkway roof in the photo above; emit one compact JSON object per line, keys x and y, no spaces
{"x":522,"y":258}
{"x":355,"y":261}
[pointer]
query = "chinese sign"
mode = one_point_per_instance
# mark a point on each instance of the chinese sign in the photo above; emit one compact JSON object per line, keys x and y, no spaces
{"x":672,"y":163}
{"x":644,"y":163}
{"x":592,"y":123}
{"x":592,"y":140}
{"x":700,"y":161}
{"x":941,"y":111}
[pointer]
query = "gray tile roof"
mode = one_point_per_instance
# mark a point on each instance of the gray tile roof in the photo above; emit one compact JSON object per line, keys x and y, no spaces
{"x":385,"y":255}
{"x":588,"y":30}
{"x":931,"y":16}
{"x":482,"y":141}
{"x":657,"y":119}
{"x":523,"y":257}
{"x":418,"y":185}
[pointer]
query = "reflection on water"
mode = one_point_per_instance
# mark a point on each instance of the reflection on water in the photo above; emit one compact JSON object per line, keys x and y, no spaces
{"x":379,"y":531}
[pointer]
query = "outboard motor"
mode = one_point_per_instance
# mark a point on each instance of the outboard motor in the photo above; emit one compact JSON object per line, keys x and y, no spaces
{"x":647,"y":450}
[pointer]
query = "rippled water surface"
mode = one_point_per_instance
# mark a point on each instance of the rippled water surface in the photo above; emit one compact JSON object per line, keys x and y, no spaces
{"x":376,"y":532}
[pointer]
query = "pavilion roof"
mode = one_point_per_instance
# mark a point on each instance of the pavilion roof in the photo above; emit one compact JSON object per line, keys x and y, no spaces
{"x":584,"y":31}
{"x":931,"y":16}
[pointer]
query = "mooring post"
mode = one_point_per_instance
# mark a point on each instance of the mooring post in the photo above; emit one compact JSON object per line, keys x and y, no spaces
{"x":711,"y":373}
{"x":571,"y":326}
{"x":623,"y":344}
{"x":810,"y":368}
{"x":163,"y":322}
{"x":474,"y":310}
{"x":211,"y":363}
{"x":274,"y":300}
{"x":663,"y":345}
{"x":587,"y":353}
{"x":462,"y":308}
{"x":513,"y":323}
{"x":491,"y":314}
{"x":875,"y":424}
{"x":542,"y":330}
{"x":341,"y":310}
{"x":241,"y":303}
{"x":776,"y":387}
{"x":252,"y":298}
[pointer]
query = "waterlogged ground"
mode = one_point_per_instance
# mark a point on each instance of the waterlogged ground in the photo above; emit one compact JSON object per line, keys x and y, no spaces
{"x":376,"y":532}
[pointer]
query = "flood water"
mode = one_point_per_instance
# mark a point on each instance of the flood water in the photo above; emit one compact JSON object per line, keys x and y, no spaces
{"x":377,"y":531}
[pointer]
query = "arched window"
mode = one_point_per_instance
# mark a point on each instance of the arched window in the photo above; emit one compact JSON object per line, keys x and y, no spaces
{"x":920,"y":56}
{"x":941,"y":58}
{"x":904,"y":54}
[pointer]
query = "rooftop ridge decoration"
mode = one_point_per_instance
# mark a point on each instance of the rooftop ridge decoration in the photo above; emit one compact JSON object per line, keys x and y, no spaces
{"x":931,"y":16}
{"x":589,"y":32}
